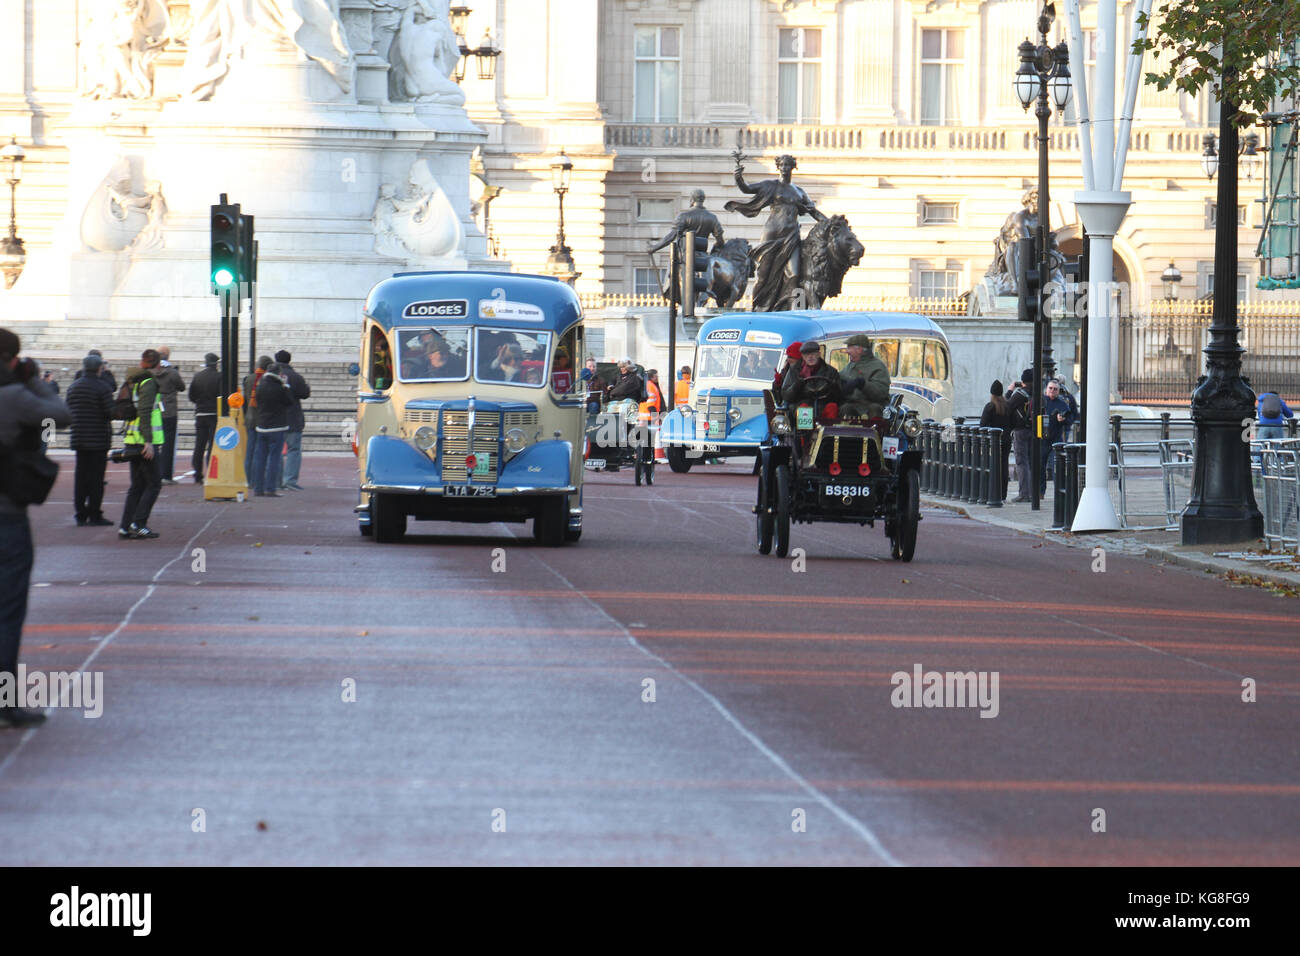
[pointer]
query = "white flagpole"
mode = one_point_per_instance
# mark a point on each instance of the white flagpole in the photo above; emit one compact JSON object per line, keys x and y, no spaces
{"x":1079,"y":75}
{"x":1132,"y":74}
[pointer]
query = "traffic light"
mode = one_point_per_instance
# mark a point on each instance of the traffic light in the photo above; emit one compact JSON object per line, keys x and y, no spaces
{"x":1031,"y":293}
{"x":228,"y":254}
{"x":248,"y":264}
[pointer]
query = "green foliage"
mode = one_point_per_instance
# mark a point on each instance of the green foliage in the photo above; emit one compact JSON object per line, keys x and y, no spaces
{"x":1231,"y":46}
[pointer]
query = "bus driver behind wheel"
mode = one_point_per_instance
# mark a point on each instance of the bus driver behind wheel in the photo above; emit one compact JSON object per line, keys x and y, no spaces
{"x":865,"y":380}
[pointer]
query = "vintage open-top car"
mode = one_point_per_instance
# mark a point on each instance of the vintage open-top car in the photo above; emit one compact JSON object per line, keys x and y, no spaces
{"x":816,"y":467}
{"x":621,"y":431}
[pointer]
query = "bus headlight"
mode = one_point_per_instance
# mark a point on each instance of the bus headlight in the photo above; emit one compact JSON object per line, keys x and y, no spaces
{"x":911,"y":426}
{"x":734,"y":415}
{"x":516,"y":440}
{"x":780,"y":425}
{"x":686,"y":409}
{"x":425,"y":438}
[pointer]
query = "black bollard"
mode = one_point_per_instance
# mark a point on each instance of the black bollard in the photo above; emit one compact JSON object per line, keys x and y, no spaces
{"x":982,"y":497}
{"x":1058,"y":486}
{"x":1164,"y":426}
{"x":995,"y":468}
{"x":1072,"y":453}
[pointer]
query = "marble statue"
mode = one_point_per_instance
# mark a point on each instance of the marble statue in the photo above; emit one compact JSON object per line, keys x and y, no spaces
{"x":221,"y":28}
{"x":1003,"y":273}
{"x":424,"y":55}
{"x":421,"y":224}
{"x":122,"y":39}
{"x":117,"y":217}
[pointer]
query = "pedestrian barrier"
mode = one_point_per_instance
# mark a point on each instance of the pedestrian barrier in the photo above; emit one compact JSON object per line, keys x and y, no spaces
{"x":1280,"y":479}
{"x":962,"y":462}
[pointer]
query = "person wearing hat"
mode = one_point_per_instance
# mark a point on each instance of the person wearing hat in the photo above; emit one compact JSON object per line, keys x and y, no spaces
{"x":629,"y":384}
{"x":205,"y":389}
{"x":792,"y":358}
{"x":298,"y":390}
{"x":90,"y":400}
{"x":865,"y":381}
{"x":104,"y":374}
{"x":1020,"y":410}
{"x":812,"y":367}
{"x":997,"y":414}
{"x":170,"y":385}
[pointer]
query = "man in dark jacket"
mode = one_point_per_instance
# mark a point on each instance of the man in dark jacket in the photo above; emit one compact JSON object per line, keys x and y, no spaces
{"x":170,"y":385}
{"x":1059,"y":420}
{"x":629,"y":384}
{"x":274,"y":399}
{"x":812,"y":367}
{"x":297,"y":422}
{"x":90,"y":400}
{"x":250,"y":412}
{"x":26,"y":405}
{"x":865,"y":381}
{"x":205,"y":388}
{"x":146,"y":432}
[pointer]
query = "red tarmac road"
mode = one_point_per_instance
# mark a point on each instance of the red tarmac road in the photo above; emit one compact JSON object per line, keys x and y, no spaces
{"x":516,"y":697}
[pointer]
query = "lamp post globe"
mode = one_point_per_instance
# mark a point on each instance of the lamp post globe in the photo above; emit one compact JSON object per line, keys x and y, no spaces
{"x":1171,"y":278}
{"x":1025,"y":81}
{"x":1210,"y":156}
{"x":1060,"y":79}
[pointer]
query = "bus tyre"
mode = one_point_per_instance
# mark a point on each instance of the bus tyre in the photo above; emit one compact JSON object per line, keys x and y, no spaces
{"x":909,"y":508}
{"x":551,"y":522}
{"x":782,"y":510}
{"x":366,"y":531}
{"x":387,"y":519}
{"x":763,"y":516}
{"x":677,"y":460}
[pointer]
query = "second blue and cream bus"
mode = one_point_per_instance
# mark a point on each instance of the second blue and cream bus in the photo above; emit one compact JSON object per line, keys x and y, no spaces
{"x":737,"y":356}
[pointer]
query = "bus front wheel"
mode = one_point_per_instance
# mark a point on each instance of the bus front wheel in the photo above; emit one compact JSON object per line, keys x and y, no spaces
{"x":677,"y":459}
{"x":387,"y":519}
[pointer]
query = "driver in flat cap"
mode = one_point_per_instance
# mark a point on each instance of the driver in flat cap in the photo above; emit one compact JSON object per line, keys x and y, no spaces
{"x":865,"y":380}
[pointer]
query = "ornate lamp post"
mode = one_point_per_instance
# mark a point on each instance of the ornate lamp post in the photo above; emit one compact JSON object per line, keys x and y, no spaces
{"x":1042,"y":70}
{"x":12,"y":254}
{"x":485,"y":53}
{"x":560,"y":262}
{"x":1171,"y":278}
{"x":1222,"y":507}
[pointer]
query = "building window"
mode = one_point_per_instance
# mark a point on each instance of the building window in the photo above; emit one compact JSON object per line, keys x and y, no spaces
{"x":799,"y":76}
{"x":649,"y":281}
{"x":656,"y":210}
{"x":939,"y":212}
{"x":1213,"y":220}
{"x":658,"y":72}
{"x":938,"y":283}
{"x":1243,"y":283}
{"x":942,"y":74}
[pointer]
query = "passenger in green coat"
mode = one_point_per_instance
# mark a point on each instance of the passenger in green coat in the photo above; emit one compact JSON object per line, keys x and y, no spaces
{"x":865,"y":380}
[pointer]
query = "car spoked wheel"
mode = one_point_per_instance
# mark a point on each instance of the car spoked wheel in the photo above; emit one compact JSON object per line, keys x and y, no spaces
{"x":763,"y":516}
{"x":909,"y":514}
{"x":782,"y":510}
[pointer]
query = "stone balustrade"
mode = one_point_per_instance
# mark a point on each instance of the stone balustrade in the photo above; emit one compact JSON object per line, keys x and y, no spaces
{"x":882,"y":140}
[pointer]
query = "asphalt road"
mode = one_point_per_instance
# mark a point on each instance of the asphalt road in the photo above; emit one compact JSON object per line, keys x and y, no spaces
{"x":500,"y":714}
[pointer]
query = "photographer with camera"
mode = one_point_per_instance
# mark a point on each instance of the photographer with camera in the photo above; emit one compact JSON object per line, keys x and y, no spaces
{"x":28,"y":406}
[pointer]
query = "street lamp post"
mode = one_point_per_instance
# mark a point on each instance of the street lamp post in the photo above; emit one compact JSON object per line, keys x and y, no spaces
{"x":560,"y":262}
{"x":1222,"y":506}
{"x":12,"y":254}
{"x":1043,"y":70}
{"x":1171,"y":278}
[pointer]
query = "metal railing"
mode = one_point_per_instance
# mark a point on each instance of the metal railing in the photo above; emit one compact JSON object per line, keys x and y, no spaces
{"x":1279,"y":474}
{"x":841,"y":303}
{"x":962,"y":462}
{"x":1160,"y":352}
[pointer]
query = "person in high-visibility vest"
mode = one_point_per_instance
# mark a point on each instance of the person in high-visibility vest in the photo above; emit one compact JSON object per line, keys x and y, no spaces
{"x":682,"y":391}
{"x":654,"y":397}
{"x":146,"y":430}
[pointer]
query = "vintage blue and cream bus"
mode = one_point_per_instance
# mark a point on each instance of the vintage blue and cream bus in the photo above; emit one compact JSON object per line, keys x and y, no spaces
{"x":467,"y":408}
{"x":738,"y":354}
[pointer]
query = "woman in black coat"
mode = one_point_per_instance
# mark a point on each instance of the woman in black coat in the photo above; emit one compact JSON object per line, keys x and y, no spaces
{"x":997,"y":414}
